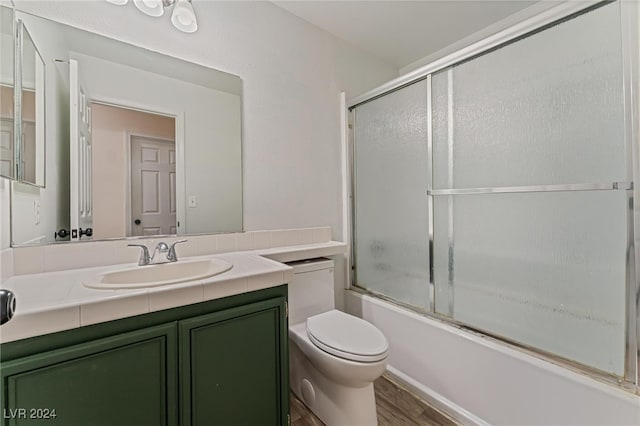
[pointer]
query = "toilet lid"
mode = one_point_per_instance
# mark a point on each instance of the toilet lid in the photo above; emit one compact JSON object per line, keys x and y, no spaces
{"x":347,"y":337}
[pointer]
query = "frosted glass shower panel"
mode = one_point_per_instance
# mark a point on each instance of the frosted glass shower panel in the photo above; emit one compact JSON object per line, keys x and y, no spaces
{"x":545,"y":110}
{"x":391,"y":215}
{"x":544,"y":269}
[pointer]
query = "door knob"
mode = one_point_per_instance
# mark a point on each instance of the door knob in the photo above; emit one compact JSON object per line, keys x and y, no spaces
{"x":137,"y":221}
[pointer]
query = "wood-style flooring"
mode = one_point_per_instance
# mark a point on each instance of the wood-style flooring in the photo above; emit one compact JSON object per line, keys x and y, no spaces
{"x":395,"y":407}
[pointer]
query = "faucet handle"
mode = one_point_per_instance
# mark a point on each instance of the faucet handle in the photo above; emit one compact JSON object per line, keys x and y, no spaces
{"x":144,"y":256}
{"x":162,"y":247}
{"x":172,"y":256}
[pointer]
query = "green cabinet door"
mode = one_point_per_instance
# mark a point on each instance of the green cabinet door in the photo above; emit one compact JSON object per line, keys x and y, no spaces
{"x":234,"y":366}
{"x":128,"y":379}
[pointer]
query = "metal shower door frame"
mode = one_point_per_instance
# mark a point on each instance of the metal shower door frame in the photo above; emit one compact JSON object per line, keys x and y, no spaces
{"x":629,"y":12}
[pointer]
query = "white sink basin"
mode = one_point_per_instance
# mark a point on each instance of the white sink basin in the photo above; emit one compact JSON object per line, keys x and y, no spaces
{"x":162,"y":274}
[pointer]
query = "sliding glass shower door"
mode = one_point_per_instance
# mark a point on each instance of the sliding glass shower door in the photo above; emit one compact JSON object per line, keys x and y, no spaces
{"x":518,"y":161}
{"x":391,"y":212}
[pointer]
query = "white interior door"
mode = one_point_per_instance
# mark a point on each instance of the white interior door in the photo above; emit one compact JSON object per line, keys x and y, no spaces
{"x":80,"y":193}
{"x":153,"y":186}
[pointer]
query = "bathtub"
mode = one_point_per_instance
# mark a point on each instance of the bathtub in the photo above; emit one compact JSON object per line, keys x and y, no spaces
{"x":479,"y":380}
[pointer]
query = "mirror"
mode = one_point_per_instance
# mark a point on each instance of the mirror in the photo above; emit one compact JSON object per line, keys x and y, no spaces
{"x":138,"y":143}
{"x":7,"y":123}
{"x":31,"y":138}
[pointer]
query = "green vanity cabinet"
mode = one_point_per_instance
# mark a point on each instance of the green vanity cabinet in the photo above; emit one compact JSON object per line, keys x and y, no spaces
{"x":220,"y":362}
{"x":128,"y":379}
{"x":231,"y":368}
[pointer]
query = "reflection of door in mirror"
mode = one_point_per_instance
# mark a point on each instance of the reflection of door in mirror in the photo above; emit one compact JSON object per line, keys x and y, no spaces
{"x":80,"y":156}
{"x":153,"y":186}
{"x":28,"y":145}
{"x":113,"y":129}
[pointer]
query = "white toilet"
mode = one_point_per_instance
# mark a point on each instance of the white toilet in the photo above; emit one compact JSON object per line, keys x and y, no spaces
{"x":334,"y":357}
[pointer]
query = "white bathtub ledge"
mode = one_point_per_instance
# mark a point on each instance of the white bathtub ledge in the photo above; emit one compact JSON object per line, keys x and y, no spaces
{"x":481,"y":381}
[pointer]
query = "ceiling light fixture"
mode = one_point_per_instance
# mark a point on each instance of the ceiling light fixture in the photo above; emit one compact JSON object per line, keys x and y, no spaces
{"x":150,"y":7}
{"x":183,"y":16}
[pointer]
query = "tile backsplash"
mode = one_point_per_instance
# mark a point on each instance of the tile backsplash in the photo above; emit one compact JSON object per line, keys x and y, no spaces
{"x":6,"y":264}
{"x":59,"y":257}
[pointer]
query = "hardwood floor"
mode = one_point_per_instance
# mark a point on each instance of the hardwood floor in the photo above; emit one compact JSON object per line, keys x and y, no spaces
{"x":300,"y":414}
{"x":395,"y":407}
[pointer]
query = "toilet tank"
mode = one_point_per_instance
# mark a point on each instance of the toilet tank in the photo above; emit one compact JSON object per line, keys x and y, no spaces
{"x":311,"y":290}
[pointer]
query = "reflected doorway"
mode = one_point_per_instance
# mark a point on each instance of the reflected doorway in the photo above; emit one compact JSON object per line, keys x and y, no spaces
{"x":133,"y":173}
{"x":153,"y":186}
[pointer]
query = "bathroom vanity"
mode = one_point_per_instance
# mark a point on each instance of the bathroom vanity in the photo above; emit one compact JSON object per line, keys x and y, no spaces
{"x":207,"y":351}
{"x":221,"y":361}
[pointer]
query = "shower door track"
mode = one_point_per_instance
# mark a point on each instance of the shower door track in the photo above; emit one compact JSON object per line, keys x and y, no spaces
{"x":539,"y":22}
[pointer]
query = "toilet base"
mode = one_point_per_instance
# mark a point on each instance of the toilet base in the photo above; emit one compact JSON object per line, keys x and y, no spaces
{"x":335,"y":404}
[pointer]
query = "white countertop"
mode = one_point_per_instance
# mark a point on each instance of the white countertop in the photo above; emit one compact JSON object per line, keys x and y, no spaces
{"x":56,"y":301}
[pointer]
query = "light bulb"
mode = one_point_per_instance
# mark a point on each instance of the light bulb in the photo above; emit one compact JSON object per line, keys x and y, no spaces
{"x":183,"y":17}
{"x":150,"y":7}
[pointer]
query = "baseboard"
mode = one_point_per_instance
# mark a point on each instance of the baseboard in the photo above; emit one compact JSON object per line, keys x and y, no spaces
{"x":434,"y":399}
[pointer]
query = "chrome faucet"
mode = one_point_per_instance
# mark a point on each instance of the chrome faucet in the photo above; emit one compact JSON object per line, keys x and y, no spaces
{"x":172,"y":256}
{"x":145,"y":259}
{"x":169,"y":253}
{"x":162,"y":248}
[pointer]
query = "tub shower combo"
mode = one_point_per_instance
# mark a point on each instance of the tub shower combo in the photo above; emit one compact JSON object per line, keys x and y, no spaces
{"x":494,"y":189}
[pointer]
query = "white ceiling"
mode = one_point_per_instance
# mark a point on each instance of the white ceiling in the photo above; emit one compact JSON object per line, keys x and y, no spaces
{"x":402,"y":32}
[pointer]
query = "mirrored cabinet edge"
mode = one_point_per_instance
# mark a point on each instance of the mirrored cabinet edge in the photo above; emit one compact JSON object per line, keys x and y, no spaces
{"x":23,"y":149}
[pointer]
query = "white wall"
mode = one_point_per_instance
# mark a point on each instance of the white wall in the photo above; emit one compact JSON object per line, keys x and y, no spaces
{"x":292,"y":74}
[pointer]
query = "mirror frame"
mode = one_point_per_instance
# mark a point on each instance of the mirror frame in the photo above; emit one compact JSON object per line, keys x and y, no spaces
{"x":14,"y":50}
{"x":40,"y":82}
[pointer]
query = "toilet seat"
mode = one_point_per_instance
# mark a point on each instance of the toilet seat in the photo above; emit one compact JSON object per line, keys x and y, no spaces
{"x":347,"y":337}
